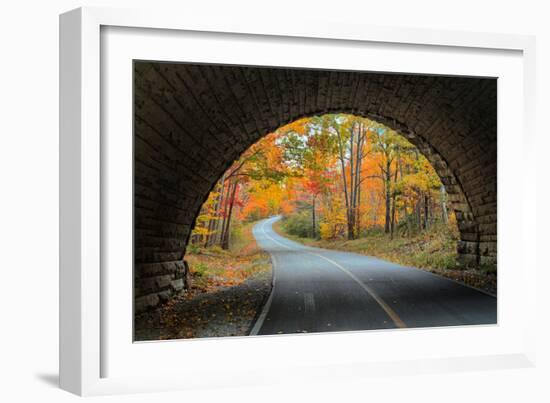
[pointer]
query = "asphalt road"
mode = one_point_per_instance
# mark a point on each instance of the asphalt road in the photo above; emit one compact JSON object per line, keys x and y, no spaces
{"x":320,"y":290}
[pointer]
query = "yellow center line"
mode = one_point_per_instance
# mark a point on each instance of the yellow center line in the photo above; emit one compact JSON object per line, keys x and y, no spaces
{"x":389,"y":311}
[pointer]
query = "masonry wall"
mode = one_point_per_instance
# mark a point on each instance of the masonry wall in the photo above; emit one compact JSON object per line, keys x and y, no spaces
{"x":192,"y":121}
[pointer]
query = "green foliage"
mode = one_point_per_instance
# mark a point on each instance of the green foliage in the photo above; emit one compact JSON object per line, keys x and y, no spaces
{"x":237,"y":237}
{"x":200,"y":268}
{"x":295,"y":150}
{"x":299,"y":224}
{"x":193,"y":249}
{"x":432,"y":249}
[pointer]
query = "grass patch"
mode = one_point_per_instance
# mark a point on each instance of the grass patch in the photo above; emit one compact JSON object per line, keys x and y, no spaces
{"x":213,"y":267}
{"x":433,"y":250}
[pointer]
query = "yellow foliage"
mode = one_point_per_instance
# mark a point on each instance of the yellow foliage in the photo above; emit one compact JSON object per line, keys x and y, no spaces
{"x":300,"y":164}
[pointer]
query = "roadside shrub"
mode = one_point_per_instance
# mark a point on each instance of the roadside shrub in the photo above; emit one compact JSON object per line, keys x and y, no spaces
{"x":193,"y":249}
{"x":299,"y":224}
{"x":236,"y":239}
{"x":217,"y":249}
{"x":199,"y":269}
{"x":372,"y":231}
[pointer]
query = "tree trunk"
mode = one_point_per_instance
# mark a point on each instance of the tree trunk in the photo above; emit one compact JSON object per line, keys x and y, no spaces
{"x":444,"y":212}
{"x":352,"y":184}
{"x":392,"y":224}
{"x":387,"y":183}
{"x":357,"y":186}
{"x":313,"y":218}
{"x":426,"y":211}
{"x":344,"y":180}
{"x":407,"y":218}
{"x":226,"y":232}
{"x":213,"y":223}
{"x":358,"y":216}
{"x":394,"y":197}
{"x":221,"y":225}
{"x":418,"y":214}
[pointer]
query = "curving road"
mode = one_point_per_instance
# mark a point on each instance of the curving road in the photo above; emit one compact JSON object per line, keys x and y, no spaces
{"x":319,"y":290}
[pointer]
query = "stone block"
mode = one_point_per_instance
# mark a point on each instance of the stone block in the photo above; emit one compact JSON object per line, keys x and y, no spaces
{"x":465,"y":247}
{"x":163,"y":282}
{"x":488,"y":261}
{"x":165,"y":295}
{"x":177,"y":285}
{"x":487,"y":248}
{"x":468,"y":261}
{"x":146,"y":302}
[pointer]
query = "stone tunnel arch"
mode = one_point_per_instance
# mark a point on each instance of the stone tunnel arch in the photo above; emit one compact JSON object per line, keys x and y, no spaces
{"x":192,"y":121}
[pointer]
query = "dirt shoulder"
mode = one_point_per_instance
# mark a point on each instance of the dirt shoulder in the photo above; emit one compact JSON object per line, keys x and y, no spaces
{"x":227,"y":289}
{"x":434,"y":252}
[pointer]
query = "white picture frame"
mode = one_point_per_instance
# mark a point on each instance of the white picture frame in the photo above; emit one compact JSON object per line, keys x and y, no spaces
{"x":86,"y":345}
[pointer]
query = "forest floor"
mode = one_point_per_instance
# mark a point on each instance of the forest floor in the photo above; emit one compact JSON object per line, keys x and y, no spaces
{"x":433,"y":251}
{"x":227,"y":289}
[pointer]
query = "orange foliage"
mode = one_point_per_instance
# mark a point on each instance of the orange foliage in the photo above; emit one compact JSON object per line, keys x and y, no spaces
{"x":299,"y":167}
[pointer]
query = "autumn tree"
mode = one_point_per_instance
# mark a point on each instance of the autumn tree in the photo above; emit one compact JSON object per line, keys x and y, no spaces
{"x":344,"y":172}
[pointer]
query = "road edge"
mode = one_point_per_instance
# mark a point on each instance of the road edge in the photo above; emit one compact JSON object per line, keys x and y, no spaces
{"x":259,"y":321}
{"x":487,"y":293}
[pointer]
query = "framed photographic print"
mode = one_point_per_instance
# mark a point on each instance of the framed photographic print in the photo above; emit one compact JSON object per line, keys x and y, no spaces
{"x":329,"y":173}
{"x":285,"y":198}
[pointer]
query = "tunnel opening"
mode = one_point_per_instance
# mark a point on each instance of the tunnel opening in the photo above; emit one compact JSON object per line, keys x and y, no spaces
{"x":330,"y":177}
{"x":192,"y":122}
